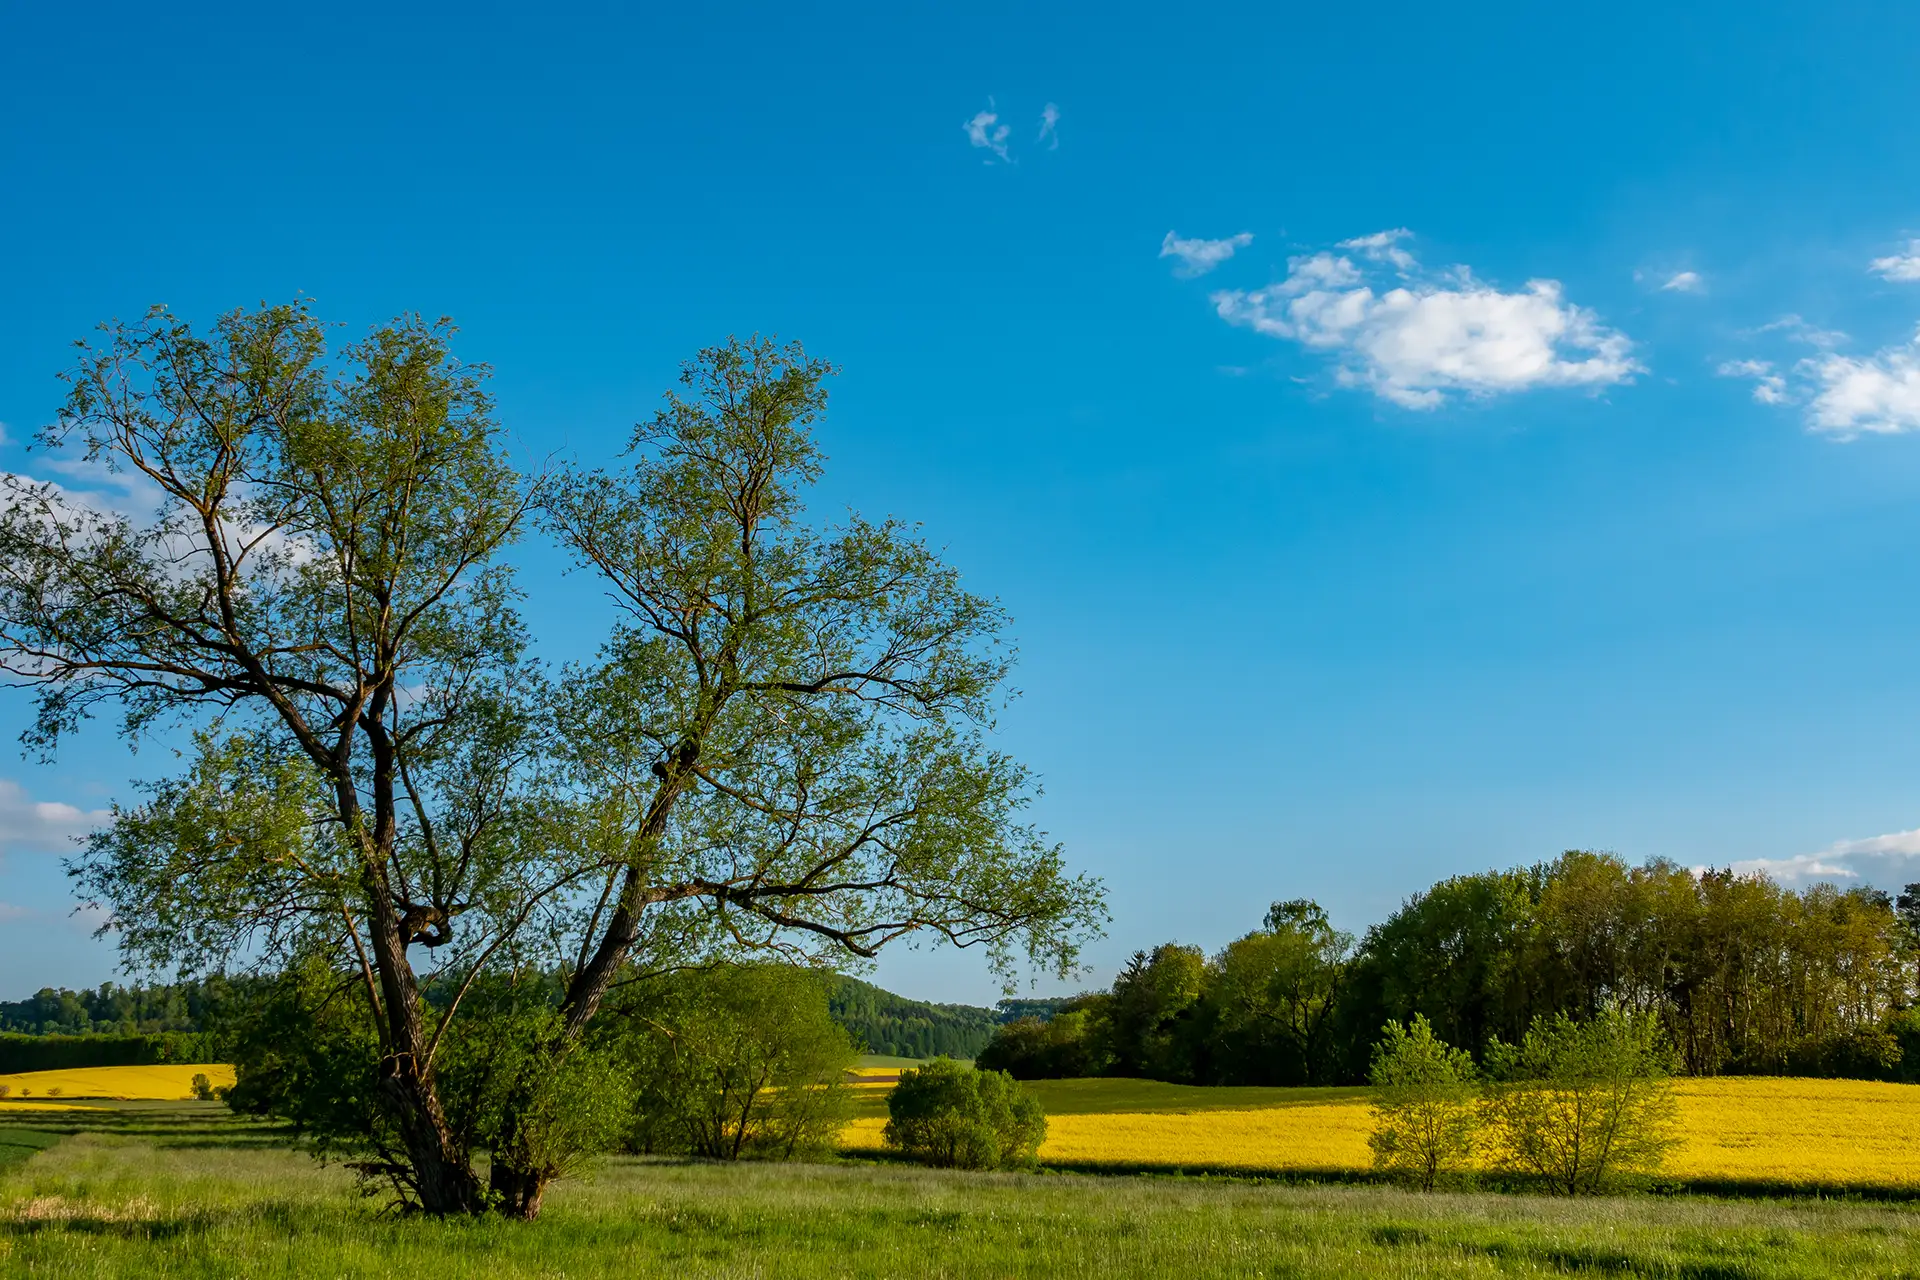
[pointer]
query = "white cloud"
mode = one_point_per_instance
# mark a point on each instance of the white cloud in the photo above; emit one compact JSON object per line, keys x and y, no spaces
{"x":1871,"y":395}
{"x":1768,"y":387}
{"x":1903,"y":266}
{"x":1431,"y":335}
{"x":41,"y":826}
{"x":1197,"y":257}
{"x":1049,"y":127}
{"x":986,"y":132}
{"x":1846,"y":397}
{"x":10,"y":912}
{"x":1685,"y":282}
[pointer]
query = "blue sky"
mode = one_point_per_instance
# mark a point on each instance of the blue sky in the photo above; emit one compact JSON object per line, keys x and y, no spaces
{"x":1405,"y":446}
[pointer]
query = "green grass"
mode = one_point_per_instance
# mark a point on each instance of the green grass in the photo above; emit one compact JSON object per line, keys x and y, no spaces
{"x":17,"y":1144}
{"x":188,"y":1191}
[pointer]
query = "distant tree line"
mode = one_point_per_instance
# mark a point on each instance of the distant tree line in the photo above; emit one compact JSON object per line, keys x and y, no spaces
{"x":116,"y":1025}
{"x":115,"y":1010}
{"x":1738,"y":974}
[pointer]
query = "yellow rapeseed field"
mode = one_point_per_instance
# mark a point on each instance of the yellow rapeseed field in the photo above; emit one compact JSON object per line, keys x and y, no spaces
{"x":168,"y":1081}
{"x":1835,"y":1133}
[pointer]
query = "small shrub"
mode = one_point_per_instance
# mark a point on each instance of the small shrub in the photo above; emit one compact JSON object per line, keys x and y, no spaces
{"x":54,"y":1092}
{"x":1426,"y":1113}
{"x":1579,"y":1104}
{"x":955,"y":1117}
{"x":202,"y":1087}
{"x":5,"y":1089}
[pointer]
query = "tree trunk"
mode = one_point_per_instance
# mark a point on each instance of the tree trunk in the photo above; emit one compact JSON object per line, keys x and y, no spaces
{"x":443,"y":1177}
{"x":442,"y":1172}
{"x":517,"y":1192}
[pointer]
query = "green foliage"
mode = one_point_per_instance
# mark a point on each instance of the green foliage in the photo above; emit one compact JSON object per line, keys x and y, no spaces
{"x":892,"y":1025}
{"x":1273,"y":997}
{"x":1425,"y":1109}
{"x":1153,"y":1018}
{"x":1073,"y":1042}
{"x":958,"y":1117}
{"x":306,"y":1056}
{"x":736,"y":1061}
{"x":1739,"y":974}
{"x":1581,"y":1105}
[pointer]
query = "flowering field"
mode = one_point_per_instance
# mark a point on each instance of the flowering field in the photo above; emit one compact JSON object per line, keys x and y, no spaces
{"x":1827,"y":1133}
{"x":168,"y":1082}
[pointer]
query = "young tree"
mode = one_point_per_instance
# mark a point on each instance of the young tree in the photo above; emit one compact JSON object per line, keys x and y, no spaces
{"x":1578,"y":1104}
{"x":1426,"y":1108}
{"x":956,"y":1117}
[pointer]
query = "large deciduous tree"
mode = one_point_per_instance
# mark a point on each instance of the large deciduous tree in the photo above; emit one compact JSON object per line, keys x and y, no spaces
{"x":782,"y":748}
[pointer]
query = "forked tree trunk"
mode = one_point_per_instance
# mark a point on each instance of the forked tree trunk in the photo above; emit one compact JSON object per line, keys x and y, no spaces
{"x":442,"y":1171}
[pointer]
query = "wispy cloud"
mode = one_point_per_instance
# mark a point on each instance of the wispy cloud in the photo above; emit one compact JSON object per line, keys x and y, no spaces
{"x":1383,"y":246}
{"x":1197,"y":256}
{"x":1903,"y":266}
{"x":41,"y":826}
{"x":1684,"y":282}
{"x":985,"y":132}
{"x":1768,"y":386}
{"x":1795,"y":329}
{"x":1432,"y":334}
{"x":1049,"y":127}
{"x":1840,"y":860}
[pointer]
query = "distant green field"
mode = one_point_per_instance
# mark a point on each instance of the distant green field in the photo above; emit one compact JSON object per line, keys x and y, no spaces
{"x":887,"y":1060}
{"x":16,"y":1144}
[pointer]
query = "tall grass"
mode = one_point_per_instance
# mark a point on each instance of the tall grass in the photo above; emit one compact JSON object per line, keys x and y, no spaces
{"x":189,"y":1192}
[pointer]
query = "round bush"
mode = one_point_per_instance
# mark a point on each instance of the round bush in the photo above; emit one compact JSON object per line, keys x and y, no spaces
{"x":949,"y":1115}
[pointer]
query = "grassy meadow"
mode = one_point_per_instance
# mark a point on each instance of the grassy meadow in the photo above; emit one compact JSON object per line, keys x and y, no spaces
{"x":186,"y":1190}
{"x":167,"y":1188}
